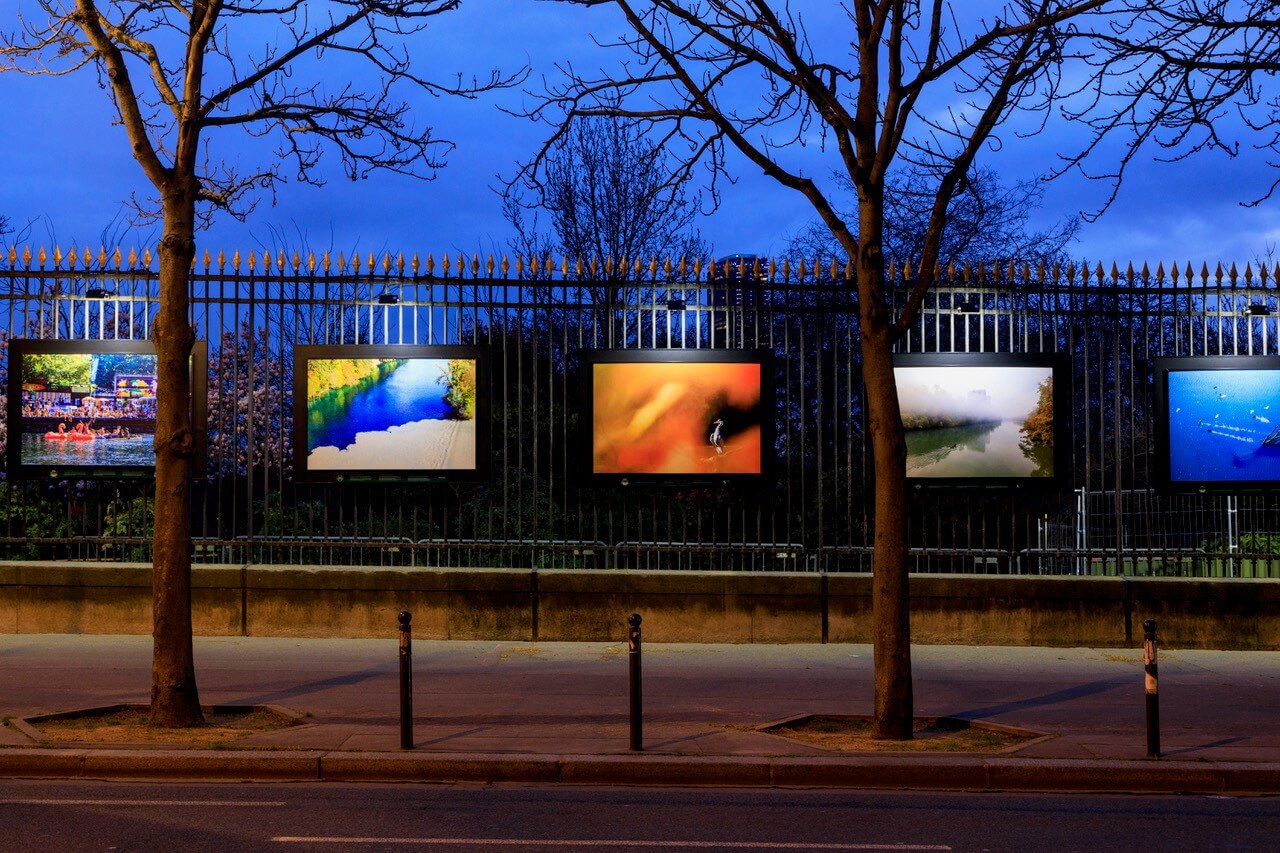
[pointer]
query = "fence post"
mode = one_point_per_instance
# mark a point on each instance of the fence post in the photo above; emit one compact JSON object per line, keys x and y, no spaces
{"x":633,"y":656}
{"x":406,"y":680}
{"x":1149,"y":647}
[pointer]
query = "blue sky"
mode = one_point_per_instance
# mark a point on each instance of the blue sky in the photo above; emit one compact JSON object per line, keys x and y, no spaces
{"x":68,"y":170}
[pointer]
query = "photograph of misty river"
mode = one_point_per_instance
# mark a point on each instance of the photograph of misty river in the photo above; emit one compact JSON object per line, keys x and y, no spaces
{"x":990,"y":421}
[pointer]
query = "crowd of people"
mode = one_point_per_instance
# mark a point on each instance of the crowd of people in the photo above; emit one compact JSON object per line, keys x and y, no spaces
{"x":62,"y":406}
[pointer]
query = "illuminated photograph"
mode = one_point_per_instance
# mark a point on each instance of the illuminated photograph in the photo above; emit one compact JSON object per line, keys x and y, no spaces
{"x":87,"y":409}
{"x":988,"y":421}
{"x":690,"y":418}
{"x":390,"y":414}
{"x":1223,"y":425}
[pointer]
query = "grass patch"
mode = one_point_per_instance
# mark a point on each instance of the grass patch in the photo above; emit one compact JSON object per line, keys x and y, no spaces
{"x":932,"y":734}
{"x":131,"y":725}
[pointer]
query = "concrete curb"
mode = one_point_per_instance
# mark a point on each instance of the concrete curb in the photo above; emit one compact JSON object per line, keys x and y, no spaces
{"x":898,"y":772}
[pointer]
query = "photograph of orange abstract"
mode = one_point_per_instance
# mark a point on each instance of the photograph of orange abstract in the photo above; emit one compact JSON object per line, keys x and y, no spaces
{"x":676,"y":418}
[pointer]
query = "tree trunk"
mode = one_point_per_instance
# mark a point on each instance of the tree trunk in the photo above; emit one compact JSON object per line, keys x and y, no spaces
{"x":175,"y":702}
{"x":890,"y":593}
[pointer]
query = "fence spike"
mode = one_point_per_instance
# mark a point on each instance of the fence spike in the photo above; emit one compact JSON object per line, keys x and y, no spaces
{"x":653,"y":268}
{"x":431,"y":263}
{"x":235,"y":261}
{"x":697,"y":268}
{"x":26,"y":256}
{"x":1276,"y":275}
{"x":116,"y":257}
{"x":800,"y":271}
{"x":1204,"y":273}
{"x":222,"y":260}
{"x":506,"y":266}
{"x":1233,"y":274}
{"x":311,"y":262}
{"x":594,"y":266}
{"x":146,"y":257}
{"x":489,"y":266}
{"x":635,"y":268}
{"x":1160,"y":272}
{"x":577,"y":267}
{"x":564,"y":266}
{"x":848,"y":269}
{"x":684,"y":267}
{"x":342,"y":262}
{"x":73,"y":258}
{"x":253,"y":262}
{"x":773,"y":269}
{"x":415,"y":264}
{"x":1248,"y":273}
{"x":296,"y":262}
{"x":666,"y":268}
{"x":445,"y":265}
{"x":400,"y":263}
{"x":535,"y":266}
{"x":208,"y":260}
{"x":57,"y":257}
{"x":519,"y":266}
{"x":42,"y":256}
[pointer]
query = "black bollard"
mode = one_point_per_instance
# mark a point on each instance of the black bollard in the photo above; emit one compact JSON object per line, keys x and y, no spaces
{"x":633,"y":656}
{"x":406,"y":680}
{"x":1152,"y":687}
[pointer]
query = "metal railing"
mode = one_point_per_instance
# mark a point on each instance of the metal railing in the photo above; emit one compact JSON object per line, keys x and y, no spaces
{"x":535,"y":319}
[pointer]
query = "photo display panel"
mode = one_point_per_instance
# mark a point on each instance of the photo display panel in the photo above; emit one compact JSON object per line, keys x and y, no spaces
{"x":88,"y":408}
{"x":372,"y":412}
{"x":1221,"y":422}
{"x":981,"y":418}
{"x":671,"y":415}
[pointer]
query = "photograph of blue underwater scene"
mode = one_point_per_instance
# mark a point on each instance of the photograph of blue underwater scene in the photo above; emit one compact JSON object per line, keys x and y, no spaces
{"x":1224,"y":425}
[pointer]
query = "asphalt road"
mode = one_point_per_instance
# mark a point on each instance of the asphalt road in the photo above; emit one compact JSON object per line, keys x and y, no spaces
{"x":100,"y":816}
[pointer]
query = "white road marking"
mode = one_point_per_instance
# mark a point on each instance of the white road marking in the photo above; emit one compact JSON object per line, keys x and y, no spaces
{"x":216,"y":803}
{"x":608,"y":842}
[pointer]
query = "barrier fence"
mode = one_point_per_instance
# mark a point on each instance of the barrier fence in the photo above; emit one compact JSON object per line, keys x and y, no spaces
{"x":535,"y":318}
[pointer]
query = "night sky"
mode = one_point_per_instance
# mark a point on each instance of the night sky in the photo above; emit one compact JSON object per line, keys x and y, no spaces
{"x":68,"y":170}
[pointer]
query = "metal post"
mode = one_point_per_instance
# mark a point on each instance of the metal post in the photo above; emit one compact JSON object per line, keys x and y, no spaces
{"x":633,"y":656}
{"x":406,"y":680}
{"x":1153,"y":695}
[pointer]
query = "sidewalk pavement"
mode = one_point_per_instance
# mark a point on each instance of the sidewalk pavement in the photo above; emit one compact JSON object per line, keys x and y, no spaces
{"x":558,"y":712}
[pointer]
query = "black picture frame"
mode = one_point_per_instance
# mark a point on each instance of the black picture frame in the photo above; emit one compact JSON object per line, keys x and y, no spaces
{"x":20,"y":348}
{"x":589,"y":360}
{"x":1062,"y":454}
{"x":303,"y":472}
{"x":1166,"y":479}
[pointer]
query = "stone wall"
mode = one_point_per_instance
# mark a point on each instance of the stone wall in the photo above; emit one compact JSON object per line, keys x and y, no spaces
{"x":712,"y":607}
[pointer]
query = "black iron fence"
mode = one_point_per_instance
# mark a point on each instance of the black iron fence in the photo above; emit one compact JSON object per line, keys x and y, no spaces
{"x":535,"y":318}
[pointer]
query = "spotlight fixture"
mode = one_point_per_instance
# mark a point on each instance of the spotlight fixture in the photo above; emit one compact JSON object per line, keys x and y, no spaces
{"x":967,"y":306}
{"x":1257,"y":309}
{"x":97,"y":293}
{"x":675,"y":304}
{"x":388,"y":298}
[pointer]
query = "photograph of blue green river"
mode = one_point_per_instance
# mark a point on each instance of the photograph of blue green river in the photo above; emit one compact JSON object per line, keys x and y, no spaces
{"x":391,"y":414}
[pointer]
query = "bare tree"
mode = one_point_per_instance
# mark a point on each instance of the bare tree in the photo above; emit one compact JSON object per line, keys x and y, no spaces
{"x":177,"y":72}
{"x":988,"y":221}
{"x":1182,"y":77}
{"x":612,"y":196}
{"x":703,"y":76}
